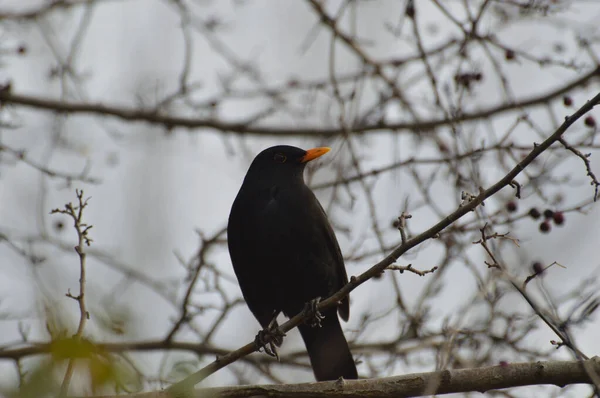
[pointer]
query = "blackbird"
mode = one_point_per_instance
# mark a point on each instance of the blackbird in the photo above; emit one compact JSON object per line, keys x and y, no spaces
{"x":285,"y":254}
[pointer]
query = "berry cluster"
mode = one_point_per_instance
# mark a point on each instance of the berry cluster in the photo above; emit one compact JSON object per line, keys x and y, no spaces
{"x":549,"y":215}
{"x":557,"y":216}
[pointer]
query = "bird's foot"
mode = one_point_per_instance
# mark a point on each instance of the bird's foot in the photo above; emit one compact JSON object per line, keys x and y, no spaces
{"x":312,"y":314}
{"x":270,"y":338}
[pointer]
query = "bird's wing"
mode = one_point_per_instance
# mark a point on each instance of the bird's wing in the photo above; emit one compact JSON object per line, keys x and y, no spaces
{"x":338,"y":258}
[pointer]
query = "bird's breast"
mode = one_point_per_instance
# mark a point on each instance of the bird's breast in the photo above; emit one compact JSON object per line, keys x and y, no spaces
{"x":282,"y":233}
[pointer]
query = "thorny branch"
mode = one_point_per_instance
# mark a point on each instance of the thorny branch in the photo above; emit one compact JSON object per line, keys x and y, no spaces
{"x":586,"y":162}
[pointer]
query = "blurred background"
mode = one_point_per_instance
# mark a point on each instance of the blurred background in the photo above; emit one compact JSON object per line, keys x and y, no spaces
{"x":155,"y":110}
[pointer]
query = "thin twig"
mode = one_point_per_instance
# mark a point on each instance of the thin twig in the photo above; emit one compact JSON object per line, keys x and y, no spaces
{"x":76,"y":213}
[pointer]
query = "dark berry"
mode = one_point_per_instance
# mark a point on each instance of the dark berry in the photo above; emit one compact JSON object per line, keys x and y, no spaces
{"x":410,"y":10}
{"x":59,"y":225}
{"x":548,"y":214}
{"x":509,"y":55}
{"x":567,"y":101}
{"x":21,"y":50}
{"x":503,"y":364}
{"x":511,"y":206}
{"x":558,"y":217}
{"x":590,"y":121}
{"x":545,"y":227}
{"x":534,"y":213}
{"x":538,"y":267}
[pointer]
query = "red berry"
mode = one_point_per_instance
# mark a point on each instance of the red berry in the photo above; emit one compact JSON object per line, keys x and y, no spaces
{"x":503,"y":364}
{"x":545,"y":227}
{"x":511,"y":206}
{"x":534,"y":213}
{"x":590,"y":121}
{"x":558,"y":217}
{"x":548,"y":214}
{"x":567,"y":101}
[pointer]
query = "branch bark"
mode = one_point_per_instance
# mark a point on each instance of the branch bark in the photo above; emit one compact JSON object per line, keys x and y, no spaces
{"x":558,"y":373}
{"x":153,"y":117}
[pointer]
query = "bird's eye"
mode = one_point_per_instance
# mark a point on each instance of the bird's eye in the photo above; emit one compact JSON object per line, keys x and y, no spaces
{"x":280,"y":158}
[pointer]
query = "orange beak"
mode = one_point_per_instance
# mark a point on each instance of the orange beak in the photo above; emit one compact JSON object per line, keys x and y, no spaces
{"x":314,"y":153}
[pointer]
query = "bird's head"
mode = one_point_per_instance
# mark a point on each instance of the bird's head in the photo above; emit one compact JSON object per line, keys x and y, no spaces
{"x":282,"y":163}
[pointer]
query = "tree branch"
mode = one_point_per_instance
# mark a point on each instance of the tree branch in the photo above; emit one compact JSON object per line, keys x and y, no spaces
{"x":154,"y":117}
{"x":558,"y":373}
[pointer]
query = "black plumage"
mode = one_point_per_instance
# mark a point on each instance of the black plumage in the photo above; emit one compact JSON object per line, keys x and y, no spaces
{"x":285,"y":254}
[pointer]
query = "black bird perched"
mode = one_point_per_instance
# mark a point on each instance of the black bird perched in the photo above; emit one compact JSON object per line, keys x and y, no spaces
{"x":285,"y":254}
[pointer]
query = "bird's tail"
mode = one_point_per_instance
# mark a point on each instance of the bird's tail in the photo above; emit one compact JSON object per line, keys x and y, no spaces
{"x":328,"y":349}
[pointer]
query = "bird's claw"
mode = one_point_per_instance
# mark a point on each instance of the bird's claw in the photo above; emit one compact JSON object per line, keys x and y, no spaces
{"x":270,"y":338}
{"x":312,"y":314}
{"x":269,"y":347}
